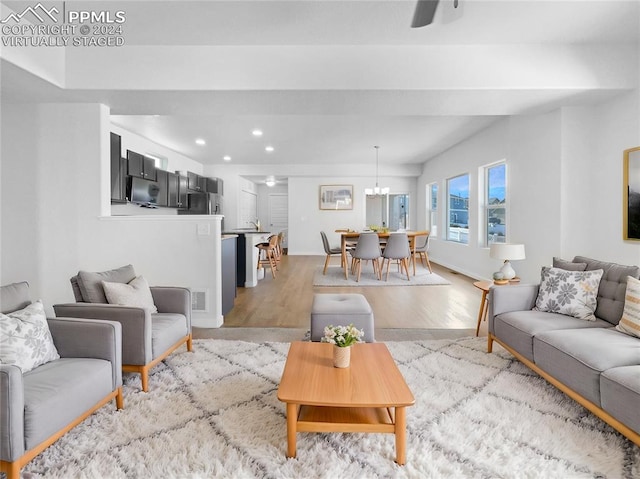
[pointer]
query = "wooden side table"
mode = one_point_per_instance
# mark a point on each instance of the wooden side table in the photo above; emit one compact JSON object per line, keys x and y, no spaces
{"x":484,"y":286}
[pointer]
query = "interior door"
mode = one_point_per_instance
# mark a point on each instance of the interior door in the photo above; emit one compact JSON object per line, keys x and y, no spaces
{"x":279,"y":213}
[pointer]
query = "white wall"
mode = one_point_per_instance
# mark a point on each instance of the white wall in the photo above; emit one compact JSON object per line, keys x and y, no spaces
{"x":304,"y":202}
{"x":564,"y":174}
{"x":594,"y":226}
{"x":306,"y":219}
{"x":55,"y":161}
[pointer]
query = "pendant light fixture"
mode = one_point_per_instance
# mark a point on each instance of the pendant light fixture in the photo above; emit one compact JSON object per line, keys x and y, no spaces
{"x":377,"y":190}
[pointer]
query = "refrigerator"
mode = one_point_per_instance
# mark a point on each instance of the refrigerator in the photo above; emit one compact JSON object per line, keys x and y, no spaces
{"x":203,"y":204}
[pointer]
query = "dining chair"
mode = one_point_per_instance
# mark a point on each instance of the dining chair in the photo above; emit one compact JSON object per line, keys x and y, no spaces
{"x":397,"y":248}
{"x":421,"y":250}
{"x":329,"y":250}
{"x":367,"y":248}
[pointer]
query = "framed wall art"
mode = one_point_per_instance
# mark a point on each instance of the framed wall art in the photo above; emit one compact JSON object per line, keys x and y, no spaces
{"x":631,"y":191}
{"x":336,"y":197}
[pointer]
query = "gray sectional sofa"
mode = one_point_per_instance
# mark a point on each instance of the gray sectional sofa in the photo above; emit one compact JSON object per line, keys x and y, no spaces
{"x":590,"y":361}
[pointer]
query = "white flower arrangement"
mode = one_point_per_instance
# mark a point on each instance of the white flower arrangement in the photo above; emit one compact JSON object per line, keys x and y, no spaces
{"x":342,"y":336}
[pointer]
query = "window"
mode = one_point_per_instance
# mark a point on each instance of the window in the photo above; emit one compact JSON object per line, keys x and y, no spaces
{"x":496,"y":203}
{"x":432,"y":209}
{"x":458,"y":194}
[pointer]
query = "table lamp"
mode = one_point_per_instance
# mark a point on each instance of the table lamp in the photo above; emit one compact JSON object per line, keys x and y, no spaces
{"x":507,"y":252}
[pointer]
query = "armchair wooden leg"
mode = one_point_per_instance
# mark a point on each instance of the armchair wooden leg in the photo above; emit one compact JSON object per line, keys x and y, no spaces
{"x":190,"y":343}
{"x":119,"y":399}
{"x":489,"y":343}
{"x":144,"y":379}
{"x":11,"y":469}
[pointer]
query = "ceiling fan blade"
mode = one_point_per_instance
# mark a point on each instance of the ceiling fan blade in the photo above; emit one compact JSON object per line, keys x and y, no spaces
{"x":424,"y":13}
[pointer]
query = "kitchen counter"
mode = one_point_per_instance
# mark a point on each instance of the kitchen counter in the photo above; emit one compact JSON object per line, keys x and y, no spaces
{"x":247,"y":256}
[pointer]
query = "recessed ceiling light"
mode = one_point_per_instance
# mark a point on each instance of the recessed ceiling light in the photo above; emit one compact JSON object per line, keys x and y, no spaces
{"x":200,"y":141}
{"x":269,"y":148}
{"x":226,"y":158}
{"x":256,"y":132}
{"x":270,"y":181}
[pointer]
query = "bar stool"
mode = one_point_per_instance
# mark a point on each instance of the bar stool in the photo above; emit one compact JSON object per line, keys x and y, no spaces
{"x":267,"y":254}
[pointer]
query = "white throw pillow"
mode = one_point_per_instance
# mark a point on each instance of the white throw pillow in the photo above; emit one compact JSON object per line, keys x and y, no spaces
{"x":630,"y":322}
{"x":25,"y":339}
{"x":136,"y":293}
{"x":572,"y":293}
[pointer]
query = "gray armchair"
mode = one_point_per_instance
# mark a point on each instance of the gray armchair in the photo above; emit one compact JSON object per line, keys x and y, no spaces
{"x":87,"y":376}
{"x":147,"y":338}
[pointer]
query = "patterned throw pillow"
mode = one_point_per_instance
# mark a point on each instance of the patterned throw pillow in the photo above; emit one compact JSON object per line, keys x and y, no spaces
{"x":25,"y":339}
{"x":572,"y":293}
{"x":136,"y":293}
{"x":630,"y":322}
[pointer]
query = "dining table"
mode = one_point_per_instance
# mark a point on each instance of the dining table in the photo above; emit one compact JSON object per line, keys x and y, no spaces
{"x":352,"y":236}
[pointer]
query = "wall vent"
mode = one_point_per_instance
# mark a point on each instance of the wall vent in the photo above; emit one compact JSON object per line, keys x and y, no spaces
{"x":200,"y":300}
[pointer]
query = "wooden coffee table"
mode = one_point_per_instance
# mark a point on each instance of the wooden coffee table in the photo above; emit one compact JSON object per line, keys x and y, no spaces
{"x":369,"y":396}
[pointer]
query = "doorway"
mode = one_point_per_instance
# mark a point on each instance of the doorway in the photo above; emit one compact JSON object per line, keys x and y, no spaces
{"x":279,"y":215}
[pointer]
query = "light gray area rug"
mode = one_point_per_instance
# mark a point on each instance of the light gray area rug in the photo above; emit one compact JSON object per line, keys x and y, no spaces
{"x":214,"y":413}
{"x":335,"y":277}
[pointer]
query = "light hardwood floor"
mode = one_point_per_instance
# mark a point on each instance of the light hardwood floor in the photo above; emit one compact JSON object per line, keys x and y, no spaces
{"x":285,"y":302}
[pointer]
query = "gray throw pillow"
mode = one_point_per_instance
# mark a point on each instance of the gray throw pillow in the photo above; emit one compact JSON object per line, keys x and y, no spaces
{"x":572,"y":293}
{"x":90,"y":284}
{"x":136,"y":294}
{"x":568,"y":265}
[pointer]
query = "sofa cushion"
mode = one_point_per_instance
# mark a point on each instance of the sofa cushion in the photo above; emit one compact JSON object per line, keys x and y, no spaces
{"x":166,"y":330}
{"x":90,"y":284}
{"x":136,"y":293}
{"x":630,"y":321}
{"x":568,"y":265}
{"x":518,"y":328}
{"x":576,"y":358}
{"x":568,"y":292}
{"x":620,"y":394}
{"x":57,"y":392}
{"x":612,"y":287}
{"x":25,"y":339}
{"x":14,"y":296}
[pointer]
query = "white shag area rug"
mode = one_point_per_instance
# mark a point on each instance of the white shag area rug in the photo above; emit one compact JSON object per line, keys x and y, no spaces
{"x":214,"y":413}
{"x":335,"y":277}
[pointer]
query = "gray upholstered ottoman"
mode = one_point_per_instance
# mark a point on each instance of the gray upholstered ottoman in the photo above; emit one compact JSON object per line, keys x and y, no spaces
{"x":341,"y":309}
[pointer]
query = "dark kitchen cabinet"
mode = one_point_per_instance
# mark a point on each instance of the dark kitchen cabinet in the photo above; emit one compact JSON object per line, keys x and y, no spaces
{"x":163,"y":187}
{"x":118,"y":171}
{"x":141,"y":166}
{"x":213,"y":185}
{"x":173,"y":183}
{"x":196,"y":183}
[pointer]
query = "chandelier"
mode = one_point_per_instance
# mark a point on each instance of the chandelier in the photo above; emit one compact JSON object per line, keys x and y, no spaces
{"x":376,"y":190}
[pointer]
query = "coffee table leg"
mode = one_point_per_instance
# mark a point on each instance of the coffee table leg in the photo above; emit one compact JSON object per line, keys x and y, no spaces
{"x":292,"y":419}
{"x":401,"y":435}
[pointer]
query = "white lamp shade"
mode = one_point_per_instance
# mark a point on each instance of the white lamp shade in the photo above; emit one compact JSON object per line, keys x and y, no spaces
{"x":506,"y":251}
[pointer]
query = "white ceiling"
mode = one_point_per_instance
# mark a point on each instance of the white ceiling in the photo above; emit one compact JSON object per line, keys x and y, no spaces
{"x":327,"y":80}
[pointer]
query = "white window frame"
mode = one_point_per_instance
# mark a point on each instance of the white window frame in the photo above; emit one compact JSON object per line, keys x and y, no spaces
{"x":448,"y":232}
{"x":487,"y":207}
{"x":432,"y":213}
